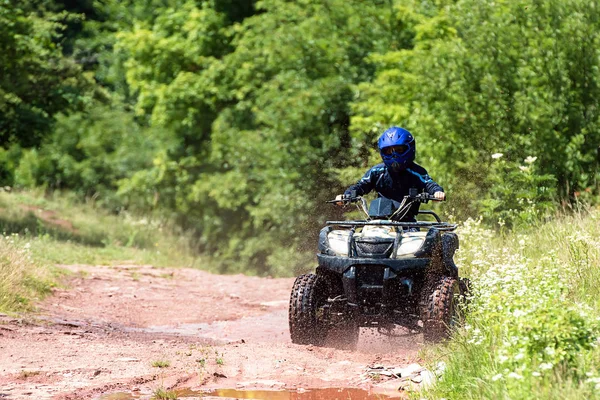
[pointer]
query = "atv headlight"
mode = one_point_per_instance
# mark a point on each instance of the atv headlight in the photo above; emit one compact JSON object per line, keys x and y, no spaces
{"x":411,"y":243}
{"x":338,"y":241}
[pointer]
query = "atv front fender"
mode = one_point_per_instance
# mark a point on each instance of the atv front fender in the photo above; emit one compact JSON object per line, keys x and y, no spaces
{"x":449,"y":247}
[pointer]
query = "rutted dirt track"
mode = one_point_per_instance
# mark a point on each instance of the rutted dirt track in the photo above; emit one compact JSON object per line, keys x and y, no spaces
{"x":103,"y":333}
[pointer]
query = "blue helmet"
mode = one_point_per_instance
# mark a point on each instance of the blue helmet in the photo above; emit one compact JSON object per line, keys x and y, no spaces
{"x":397,"y":148}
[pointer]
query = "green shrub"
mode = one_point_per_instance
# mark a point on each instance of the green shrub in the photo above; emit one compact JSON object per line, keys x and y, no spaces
{"x":89,"y":152}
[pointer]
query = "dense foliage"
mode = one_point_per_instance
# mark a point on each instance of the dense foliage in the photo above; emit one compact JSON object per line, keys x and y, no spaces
{"x":238,"y":118}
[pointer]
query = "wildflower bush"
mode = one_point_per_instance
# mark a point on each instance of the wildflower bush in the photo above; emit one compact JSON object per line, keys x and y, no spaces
{"x":533,"y":324}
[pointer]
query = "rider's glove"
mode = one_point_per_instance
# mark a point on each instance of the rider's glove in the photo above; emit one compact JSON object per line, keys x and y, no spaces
{"x":346,"y":198}
{"x":350,"y":195}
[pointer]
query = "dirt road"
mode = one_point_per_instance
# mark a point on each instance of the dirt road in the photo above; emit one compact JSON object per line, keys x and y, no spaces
{"x":132,"y":329}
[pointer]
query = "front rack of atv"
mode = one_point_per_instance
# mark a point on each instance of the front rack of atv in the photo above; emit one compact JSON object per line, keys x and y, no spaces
{"x":441,"y":226}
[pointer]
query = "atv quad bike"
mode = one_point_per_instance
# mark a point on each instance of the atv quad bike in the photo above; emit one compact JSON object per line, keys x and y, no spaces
{"x":379,"y":273}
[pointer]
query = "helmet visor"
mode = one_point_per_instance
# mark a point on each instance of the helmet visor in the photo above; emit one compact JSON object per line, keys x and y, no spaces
{"x":401,"y":149}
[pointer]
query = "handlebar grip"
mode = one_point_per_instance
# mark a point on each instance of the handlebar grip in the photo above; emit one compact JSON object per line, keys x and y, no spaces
{"x":343,"y":200}
{"x":424,"y":197}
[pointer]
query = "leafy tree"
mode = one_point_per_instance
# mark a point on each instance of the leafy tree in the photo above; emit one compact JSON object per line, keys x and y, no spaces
{"x":487,"y":77}
{"x":262,"y":127}
{"x":36,"y":81}
{"x":93,"y":40}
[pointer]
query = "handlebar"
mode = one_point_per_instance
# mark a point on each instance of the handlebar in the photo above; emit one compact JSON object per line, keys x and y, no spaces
{"x":346,"y":200}
{"x":422,"y":197}
{"x":401,"y":211}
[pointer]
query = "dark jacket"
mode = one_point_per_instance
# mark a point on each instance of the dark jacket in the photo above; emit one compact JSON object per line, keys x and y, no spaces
{"x":395,"y":186}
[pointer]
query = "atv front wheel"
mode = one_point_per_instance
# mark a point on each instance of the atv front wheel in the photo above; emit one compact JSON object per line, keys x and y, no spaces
{"x":440,"y":309}
{"x":309,"y":294}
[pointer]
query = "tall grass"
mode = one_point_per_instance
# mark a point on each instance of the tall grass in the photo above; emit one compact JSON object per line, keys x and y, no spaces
{"x":22,"y":280}
{"x":63,"y":231}
{"x":534,"y":319}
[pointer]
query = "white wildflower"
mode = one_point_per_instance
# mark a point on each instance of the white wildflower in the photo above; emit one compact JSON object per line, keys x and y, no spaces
{"x":535,"y":373}
{"x":496,"y":156}
{"x":440,"y":368}
{"x":546,"y":366}
{"x":496,"y":377}
{"x":530,"y":160}
{"x":514,"y":375}
{"x":523,"y":168}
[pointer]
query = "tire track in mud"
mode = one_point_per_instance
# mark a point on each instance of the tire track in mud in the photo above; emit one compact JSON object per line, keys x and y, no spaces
{"x":103,"y":334}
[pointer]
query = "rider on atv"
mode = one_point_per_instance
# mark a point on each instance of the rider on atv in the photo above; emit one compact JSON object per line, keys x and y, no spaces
{"x":386,"y":270}
{"x":397,"y":174}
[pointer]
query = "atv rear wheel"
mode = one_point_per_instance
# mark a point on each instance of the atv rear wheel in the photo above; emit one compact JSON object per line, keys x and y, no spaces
{"x":309,"y":294}
{"x":440,"y":311}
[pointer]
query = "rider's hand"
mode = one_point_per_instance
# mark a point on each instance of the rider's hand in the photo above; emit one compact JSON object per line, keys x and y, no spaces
{"x":341,"y":199}
{"x":440,"y":196}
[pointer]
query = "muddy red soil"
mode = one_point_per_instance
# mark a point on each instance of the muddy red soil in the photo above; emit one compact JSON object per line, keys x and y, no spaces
{"x":109,"y":331}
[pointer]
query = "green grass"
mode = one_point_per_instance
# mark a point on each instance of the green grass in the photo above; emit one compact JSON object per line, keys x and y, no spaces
{"x":22,"y":279}
{"x":40,"y":232}
{"x":69,"y":232}
{"x":533,"y":325}
{"x":161,"y":363}
{"x":27,"y":374}
{"x":164,"y":394}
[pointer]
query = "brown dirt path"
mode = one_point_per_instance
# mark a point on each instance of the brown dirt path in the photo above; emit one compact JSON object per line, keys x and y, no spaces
{"x":103,"y":334}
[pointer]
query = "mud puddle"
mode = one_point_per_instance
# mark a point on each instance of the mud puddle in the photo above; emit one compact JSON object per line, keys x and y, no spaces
{"x":302,"y":394}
